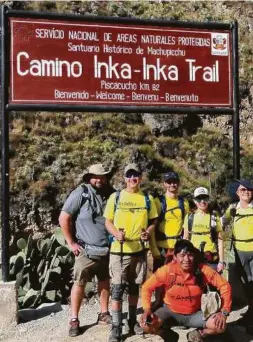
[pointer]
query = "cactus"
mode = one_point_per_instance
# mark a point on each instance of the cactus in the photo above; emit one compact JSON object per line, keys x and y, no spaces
{"x":21,"y":243}
{"x":18,"y":265}
{"x":51,"y":295}
{"x":62,"y":250}
{"x":59,"y":237}
{"x":42,"y":270}
{"x":46,"y":244}
{"x":30,"y":298}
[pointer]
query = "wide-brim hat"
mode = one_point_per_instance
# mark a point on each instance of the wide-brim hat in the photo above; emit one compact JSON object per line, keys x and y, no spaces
{"x":234,"y":185}
{"x":96,"y":169}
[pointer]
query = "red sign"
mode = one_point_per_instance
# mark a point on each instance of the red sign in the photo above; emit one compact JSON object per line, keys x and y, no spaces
{"x":87,"y":63}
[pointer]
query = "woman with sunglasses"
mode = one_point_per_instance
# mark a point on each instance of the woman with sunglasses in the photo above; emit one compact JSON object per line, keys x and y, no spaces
{"x":240,"y":214}
{"x":203,"y":228}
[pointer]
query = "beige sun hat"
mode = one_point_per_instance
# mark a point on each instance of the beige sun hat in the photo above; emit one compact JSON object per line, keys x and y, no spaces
{"x":96,"y":169}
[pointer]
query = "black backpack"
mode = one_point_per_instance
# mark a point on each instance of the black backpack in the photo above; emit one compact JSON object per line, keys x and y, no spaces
{"x":213,"y":226}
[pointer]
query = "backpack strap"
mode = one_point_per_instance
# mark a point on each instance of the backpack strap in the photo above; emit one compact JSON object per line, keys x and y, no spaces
{"x":146,"y":195}
{"x":181,"y":206}
{"x":171,"y":279}
{"x":116,"y":200}
{"x":213,"y":226}
{"x":147,"y":200}
{"x":190,"y":224}
{"x":84,"y":198}
{"x":233,"y":212}
{"x":164,"y":210}
{"x":162,"y":200}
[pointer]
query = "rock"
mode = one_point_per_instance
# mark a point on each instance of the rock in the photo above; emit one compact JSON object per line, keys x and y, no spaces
{"x":43,"y":310}
{"x":164,"y":124}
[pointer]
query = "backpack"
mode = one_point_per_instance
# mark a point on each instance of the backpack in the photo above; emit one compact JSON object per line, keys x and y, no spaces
{"x":161,"y":236}
{"x":164,"y":210}
{"x":172,"y":279}
{"x":117,"y":198}
{"x":85,"y":197}
{"x":213,"y":226}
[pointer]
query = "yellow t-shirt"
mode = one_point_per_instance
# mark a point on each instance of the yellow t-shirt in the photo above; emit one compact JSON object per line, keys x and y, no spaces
{"x":132,"y":215}
{"x":172,"y":224}
{"x":201,"y":224}
{"x":242,"y":228}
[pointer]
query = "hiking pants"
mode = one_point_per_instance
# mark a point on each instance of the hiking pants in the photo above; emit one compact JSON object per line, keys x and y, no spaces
{"x":244,"y":262}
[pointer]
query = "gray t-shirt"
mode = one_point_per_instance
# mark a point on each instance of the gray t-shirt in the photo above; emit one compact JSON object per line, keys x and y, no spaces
{"x":88,"y":210}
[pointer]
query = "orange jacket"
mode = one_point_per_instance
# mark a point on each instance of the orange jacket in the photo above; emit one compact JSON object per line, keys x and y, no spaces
{"x":182,"y":293}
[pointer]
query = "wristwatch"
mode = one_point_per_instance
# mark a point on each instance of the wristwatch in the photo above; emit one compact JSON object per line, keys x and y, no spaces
{"x":225,"y":313}
{"x":223,"y":263}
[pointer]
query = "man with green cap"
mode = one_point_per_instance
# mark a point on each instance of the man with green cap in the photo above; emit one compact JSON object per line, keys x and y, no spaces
{"x":83,"y":227}
{"x":130,"y":217}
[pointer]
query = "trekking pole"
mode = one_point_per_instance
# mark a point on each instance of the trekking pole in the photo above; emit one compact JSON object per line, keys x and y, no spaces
{"x":145,"y":263}
{"x":121,"y":257}
{"x":202,"y":246}
{"x":232,"y":214}
{"x":121,"y":276}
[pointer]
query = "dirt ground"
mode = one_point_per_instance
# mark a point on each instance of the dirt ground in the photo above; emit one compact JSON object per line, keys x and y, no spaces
{"x":54,"y":327}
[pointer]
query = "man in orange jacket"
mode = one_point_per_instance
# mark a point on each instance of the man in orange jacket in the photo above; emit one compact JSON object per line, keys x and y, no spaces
{"x":184,"y":281}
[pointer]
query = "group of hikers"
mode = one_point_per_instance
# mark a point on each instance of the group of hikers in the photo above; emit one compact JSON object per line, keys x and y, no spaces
{"x":111,"y":231}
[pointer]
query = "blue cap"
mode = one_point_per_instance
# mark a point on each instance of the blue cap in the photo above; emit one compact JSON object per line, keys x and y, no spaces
{"x":171,"y":175}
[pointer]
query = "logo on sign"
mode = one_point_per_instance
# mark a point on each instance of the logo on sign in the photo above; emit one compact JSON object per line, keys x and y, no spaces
{"x":220,"y":44}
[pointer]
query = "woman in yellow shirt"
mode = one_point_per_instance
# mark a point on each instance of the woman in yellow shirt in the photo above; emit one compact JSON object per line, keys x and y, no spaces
{"x":240,"y":214}
{"x":203,"y":228}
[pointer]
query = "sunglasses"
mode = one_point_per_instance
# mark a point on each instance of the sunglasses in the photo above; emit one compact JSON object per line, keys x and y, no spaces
{"x":202,"y":199}
{"x":134,"y":174}
{"x":244,"y":190}
{"x":171,"y":181}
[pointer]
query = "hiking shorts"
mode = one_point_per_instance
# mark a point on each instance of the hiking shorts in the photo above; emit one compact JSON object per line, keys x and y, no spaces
{"x":191,"y":321}
{"x":133,"y":270}
{"x":85,"y":269}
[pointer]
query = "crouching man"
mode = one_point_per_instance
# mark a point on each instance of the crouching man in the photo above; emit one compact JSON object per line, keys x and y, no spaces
{"x":184,"y":281}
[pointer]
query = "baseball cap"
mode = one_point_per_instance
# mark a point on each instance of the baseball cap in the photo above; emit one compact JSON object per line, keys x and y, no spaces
{"x":171,"y":175}
{"x":200,"y":192}
{"x":133,"y":167}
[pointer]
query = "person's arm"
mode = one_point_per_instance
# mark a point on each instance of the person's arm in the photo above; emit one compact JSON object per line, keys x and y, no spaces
{"x":185,"y":228}
{"x":221,"y":284}
{"x":145,"y":235}
{"x":119,"y":235}
{"x":156,"y":280}
{"x":65,"y":221}
{"x":226,"y":218}
{"x":221,"y":264}
{"x":153,"y":246}
{"x":109,"y":219}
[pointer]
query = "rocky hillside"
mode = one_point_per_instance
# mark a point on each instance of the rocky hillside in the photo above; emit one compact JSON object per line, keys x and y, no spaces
{"x":49,"y":151}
